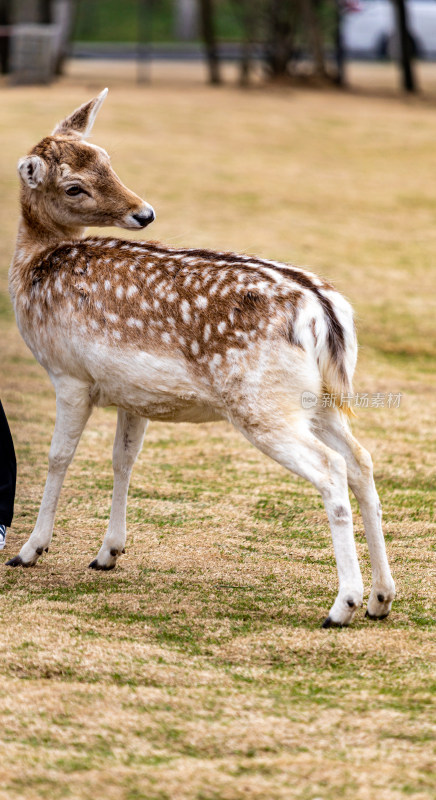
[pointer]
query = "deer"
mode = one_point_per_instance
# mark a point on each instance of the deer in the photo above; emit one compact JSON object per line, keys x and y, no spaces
{"x":182,"y":335}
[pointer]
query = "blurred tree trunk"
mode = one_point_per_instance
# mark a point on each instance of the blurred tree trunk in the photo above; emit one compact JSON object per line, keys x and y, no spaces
{"x":44,"y":12}
{"x":279,"y":36}
{"x":248,"y":13}
{"x":405,"y":54}
{"x":5,"y":21}
{"x":314,"y":35}
{"x":209,"y":35}
{"x":339,"y":46}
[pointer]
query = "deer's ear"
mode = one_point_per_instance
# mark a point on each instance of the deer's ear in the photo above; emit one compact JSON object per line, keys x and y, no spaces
{"x":82,"y":119}
{"x":33,"y":171}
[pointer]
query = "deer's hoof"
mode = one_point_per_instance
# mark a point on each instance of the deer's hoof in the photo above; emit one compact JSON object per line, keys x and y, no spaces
{"x":330,"y":623}
{"x":373,"y":616}
{"x":16,"y":561}
{"x":95,"y":565}
{"x":380,"y":601}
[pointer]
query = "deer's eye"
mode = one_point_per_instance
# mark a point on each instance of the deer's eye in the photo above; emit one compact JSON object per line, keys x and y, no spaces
{"x":73,"y":191}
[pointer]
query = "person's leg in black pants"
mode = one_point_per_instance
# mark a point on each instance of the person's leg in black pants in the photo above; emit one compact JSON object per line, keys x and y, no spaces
{"x":8,"y":477}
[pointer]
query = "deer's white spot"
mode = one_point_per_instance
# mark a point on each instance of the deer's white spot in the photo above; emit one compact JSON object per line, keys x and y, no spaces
{"x":94,"y":324}
{"x":221,"y":327}
{"x":107,"y":285}
{"x":112,"y":317}
{"x":119,"y":291}
{"x":132,"y":322}
{"x":116,"y":334}
{"x":201,"y":301}
{"x":144,"y":305}
{"x":186,"y":311}
{"x":195,"y":348}
{"x":172,"y":296}
{"x":166,"y":337}
{"x":132,"y":290}
{"x":206,"y":332}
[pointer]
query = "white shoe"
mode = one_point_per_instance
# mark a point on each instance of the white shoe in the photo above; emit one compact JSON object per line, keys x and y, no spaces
{"x":2,"y":536}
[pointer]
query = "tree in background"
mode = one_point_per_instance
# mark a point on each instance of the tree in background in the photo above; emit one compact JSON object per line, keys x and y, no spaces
{"x":405,"y":46}
{"x":45,"y":12}
{"x":207,"y":19}
{"x":5,"y":21}
{"x":311,"y":22}
{"x":283,"y":29}
{"x":280,"y":21}
{"x":292,"y":38}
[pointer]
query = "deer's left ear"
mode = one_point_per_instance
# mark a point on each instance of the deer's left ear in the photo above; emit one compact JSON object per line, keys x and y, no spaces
{"x":82,"y":119}
{"x":33,"y":171}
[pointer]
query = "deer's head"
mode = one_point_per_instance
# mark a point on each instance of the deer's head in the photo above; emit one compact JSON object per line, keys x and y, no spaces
{"x":68,"y":183}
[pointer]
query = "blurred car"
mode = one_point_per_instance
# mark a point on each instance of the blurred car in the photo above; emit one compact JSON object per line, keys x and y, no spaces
{"x":369,"y":28}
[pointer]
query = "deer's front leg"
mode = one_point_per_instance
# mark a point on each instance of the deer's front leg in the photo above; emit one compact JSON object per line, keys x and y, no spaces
{"x":73,"y":409}
{"x":127,"y":445}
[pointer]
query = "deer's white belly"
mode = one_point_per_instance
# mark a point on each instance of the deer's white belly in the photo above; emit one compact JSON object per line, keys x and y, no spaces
{"x":155,"y":386}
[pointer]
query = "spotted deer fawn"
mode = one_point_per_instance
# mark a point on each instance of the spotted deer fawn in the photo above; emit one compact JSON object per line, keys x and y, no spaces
{"x":182,"y":335}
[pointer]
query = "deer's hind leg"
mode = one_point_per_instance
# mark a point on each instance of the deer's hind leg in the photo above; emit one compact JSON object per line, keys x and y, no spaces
{"x":285,"y":436}
{"x":73,"y":408}
{"x":333,"y":429}
{"x":127,"y":445}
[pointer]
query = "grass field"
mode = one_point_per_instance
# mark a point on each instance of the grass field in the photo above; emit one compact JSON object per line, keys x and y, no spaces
{"x":197,"y":670}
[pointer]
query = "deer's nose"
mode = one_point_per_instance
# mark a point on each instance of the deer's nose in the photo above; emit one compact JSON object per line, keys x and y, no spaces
{"x":144,"y":218}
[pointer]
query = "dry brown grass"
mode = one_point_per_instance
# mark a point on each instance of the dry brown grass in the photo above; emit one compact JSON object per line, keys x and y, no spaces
{"x":197,"y":669}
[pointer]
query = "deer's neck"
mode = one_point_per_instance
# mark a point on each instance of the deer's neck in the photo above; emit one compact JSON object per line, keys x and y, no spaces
{"x":33,"y":238}
{"x":36,"y":235}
